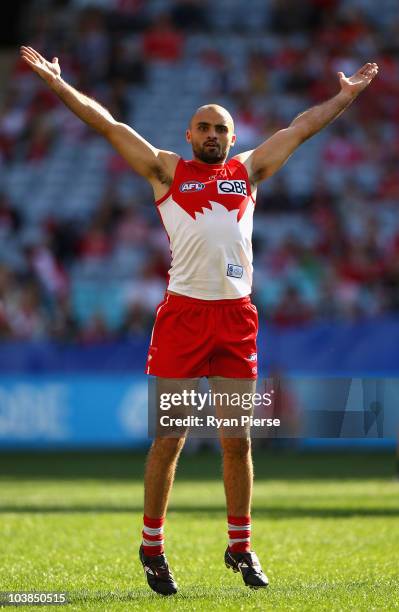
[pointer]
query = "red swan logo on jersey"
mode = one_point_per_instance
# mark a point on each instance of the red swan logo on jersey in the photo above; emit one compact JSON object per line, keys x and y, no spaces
{"x":195,"y":189}
{"x":194,"y":206}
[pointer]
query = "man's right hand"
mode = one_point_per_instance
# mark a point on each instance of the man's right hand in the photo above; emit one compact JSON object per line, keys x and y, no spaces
{"x":48,"y":71}
{"x":157,"y":166}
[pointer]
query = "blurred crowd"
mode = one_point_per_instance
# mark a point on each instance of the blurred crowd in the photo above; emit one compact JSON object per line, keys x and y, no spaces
{"x":326,"y":239}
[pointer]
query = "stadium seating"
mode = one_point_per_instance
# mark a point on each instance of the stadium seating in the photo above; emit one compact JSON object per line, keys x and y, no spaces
{"x":340,"y":188}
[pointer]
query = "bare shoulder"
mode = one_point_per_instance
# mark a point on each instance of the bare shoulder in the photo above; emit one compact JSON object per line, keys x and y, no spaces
{"x":246,"y":159}
{"x":163,"y":172}
{"x":164,"y":168}
{"x":168,"y":160}
{"x":243,"y":157}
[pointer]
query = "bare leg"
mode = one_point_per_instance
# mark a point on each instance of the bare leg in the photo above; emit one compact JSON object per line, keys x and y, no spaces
{"x":164,"y":454}
{"x":237,"y":458}
{"x":159,"y":474}
{"x":238,"y":479}
{"x":237,"y":475}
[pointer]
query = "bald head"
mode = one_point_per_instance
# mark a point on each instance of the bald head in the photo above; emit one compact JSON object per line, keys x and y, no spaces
{"x":211,"y":133}
{"x":212,"y":110}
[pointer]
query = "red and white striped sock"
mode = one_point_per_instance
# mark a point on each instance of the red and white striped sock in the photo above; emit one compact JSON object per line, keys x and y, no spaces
{"x":239,"y":530}
{"x":153,"y":536}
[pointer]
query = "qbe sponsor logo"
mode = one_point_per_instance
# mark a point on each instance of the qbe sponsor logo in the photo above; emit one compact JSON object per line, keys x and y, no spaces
{"x":190,"y":186}
{"x":238,"y":187}
{"x":235,"y":271}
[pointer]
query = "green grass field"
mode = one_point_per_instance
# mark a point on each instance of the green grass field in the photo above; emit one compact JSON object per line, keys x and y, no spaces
{"x":325,"y":526}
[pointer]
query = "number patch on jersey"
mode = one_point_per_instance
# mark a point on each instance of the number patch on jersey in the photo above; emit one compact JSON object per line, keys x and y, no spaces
{"x":236,"y":187}
{"x":234,"y":271}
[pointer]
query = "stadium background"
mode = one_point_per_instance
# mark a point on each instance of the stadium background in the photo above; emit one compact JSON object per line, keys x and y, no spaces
{"x":83,"y":262}
{"x":83,"y":257}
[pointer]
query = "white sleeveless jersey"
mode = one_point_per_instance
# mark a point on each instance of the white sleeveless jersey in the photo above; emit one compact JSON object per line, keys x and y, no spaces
{"x":208,"y":216}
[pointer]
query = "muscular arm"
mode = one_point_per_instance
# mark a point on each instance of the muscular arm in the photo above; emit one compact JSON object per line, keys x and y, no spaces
{"x":154,"y":164}
{"x":266,"y":159}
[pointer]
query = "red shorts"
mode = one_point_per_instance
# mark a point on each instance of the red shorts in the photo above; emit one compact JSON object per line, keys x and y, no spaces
{"x":193,"y":338}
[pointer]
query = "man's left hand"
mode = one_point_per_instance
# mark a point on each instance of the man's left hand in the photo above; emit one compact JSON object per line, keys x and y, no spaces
{"x":354,"y":84}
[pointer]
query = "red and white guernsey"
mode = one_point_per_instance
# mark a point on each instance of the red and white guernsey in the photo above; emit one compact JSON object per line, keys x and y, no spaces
{"x":208,"y":216}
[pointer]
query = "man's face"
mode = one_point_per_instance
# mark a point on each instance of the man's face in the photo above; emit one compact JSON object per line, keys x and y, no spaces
{"x":211,"y":134}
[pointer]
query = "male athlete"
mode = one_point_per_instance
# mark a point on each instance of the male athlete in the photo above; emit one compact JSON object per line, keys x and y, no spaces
{"x":206,"y":325}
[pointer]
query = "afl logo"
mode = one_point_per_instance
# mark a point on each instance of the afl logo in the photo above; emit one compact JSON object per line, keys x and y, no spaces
{"x":190,"y":186}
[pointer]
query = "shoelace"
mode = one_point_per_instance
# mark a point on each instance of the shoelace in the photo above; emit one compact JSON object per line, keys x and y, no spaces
{"x":251,"y":560}
{"x":162,"y":571}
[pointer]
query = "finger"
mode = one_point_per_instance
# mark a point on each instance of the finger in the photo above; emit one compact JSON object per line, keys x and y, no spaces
{"x":36,"y":54}
{"x":340,"y":75}
{"x":25,"y":51}
{"x":31,"y":50}
{"x":373,"y":70}
{"x":55,"y":60}
{"x":369,"y":67}
{"x":362,"y":69}
{"x":366,"y":68}
{"x":368,"y":75}
{"x":371,"y":76}
{"x":28,"y":56}
{"x":366,"y":65}
{"x":364,"y":72}
{"x":31,"y":63}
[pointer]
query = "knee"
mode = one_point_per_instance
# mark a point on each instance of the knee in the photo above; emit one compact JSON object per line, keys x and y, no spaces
{"x":236,"y":447}
{"x":168,"y":448}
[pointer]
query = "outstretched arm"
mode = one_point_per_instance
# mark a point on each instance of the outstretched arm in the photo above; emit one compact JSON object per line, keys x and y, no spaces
{"x":265,"y":160}
{"x":155,"y":165}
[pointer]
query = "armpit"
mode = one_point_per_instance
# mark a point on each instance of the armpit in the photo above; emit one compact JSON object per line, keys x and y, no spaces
{"x":163,"y":177}
{"x":256,"y":177}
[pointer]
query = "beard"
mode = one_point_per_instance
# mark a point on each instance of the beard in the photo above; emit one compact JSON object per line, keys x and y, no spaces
{"x":210,"y":155}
